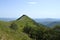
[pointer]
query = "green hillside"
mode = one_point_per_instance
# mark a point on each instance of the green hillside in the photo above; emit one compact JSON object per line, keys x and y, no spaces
{"x":8,"y":33}
{"x":25,"y":28}
{"x":26,"y":21}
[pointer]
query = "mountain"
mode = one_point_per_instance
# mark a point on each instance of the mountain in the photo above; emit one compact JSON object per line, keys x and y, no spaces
{"x":15,"y":30}
{"x":25,"y":20}
{"x":25,"y":28}
{"x":48,"y":22}
{"x":53,"y":23}
{"x":24,"y":24}
{"x":7,"y":19}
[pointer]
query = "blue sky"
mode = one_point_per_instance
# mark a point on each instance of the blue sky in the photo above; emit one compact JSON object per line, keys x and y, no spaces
{"x":32,"y":8}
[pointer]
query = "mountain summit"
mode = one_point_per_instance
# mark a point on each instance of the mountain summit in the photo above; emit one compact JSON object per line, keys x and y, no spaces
{"x":23,"y":16}
{"x":24,"y":19}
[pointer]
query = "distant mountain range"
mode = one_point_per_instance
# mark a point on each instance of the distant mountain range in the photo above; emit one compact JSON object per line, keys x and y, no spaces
{"x":49,"y":21}
{"x":7,"y":19}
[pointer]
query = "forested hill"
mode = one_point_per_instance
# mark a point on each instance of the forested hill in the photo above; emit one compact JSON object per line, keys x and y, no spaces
{"x":25,"y":28}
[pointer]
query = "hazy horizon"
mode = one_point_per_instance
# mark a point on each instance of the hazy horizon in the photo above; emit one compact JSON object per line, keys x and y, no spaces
{"x":32,"y":8}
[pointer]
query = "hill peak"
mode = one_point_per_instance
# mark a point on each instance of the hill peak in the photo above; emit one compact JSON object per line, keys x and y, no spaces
{"x":23,"y":16}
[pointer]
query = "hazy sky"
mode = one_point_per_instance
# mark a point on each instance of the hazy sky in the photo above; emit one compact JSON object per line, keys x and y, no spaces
{"x":32,"y":8}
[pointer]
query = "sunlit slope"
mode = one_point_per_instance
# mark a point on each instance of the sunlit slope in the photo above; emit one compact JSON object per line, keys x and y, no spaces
{"x":6,"y":33}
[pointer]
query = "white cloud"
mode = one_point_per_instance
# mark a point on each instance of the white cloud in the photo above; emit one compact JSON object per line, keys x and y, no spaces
{"x":32,"y":2}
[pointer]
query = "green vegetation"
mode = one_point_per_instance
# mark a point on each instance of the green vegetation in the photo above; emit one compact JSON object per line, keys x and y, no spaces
{"x":25,"y":28}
